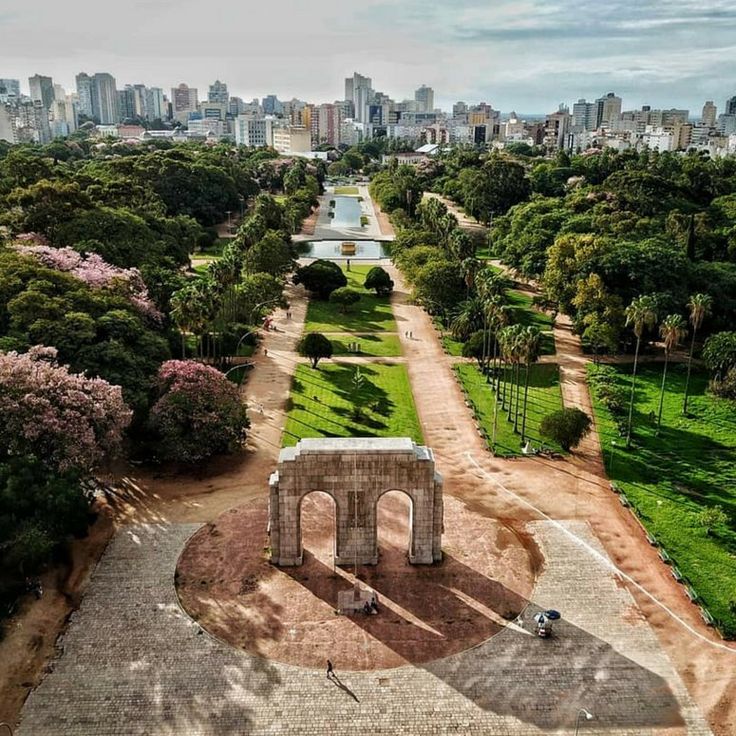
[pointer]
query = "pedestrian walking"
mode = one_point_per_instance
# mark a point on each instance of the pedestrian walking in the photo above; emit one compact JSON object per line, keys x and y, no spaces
{"x":265,"y":352}
{"x":330,"y":670}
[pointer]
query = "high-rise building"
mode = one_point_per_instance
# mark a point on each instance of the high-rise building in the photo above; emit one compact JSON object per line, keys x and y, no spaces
{"x":584,"y":115}
{"x":608,"y":110}
{"x":105,"y":99}
{"x":329,"y":118}
{"x":84,"y":93}
{"x":730,"y":106}
{"x":272,"y":105}
{"x":218,"y":93}
{"x":126,"y":103}
{"x":7,"y":123}
{"x":709,"y":114}
{"x":359,"y":91}
{"x":9,"y":90}
{"x":236,"y":106}
{"x":424,"y":98}
{"x":155,"y":106}
{"x":257,"y":132}
{"x":184,"y":99}
{"x":42,"y":89}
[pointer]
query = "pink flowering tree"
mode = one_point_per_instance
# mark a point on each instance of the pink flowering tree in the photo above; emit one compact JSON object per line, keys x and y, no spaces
{"x":94,"y":271}
{"x":66,"y":420}
{"x":199,"y":413}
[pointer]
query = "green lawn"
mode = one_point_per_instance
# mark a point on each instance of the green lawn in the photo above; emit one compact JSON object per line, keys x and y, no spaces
{"x":670,"y":478}
{"x":371,"y":314}
{"x":373,"y":345}
{"x":347,"y":191}
{"x":322,"y":403}
{"x":544,"y":398}
{"x":523,"y":311}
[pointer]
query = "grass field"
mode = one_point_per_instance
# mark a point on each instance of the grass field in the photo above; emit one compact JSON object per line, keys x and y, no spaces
{"x":544,"y":398}
{"x":323,"y":401}
{"x":523,"y":312}
{"x":372,"y":345}
{"x":371,"y":314}
{"x":455,"y":347}
{"x":669,"y":479}
{"x":346,"y":191}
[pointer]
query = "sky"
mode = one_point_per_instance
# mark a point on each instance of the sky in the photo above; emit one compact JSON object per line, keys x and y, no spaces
{"x":522,"y":55}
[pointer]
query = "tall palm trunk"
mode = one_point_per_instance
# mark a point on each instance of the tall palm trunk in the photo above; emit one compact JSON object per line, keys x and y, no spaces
{"x":510,"y":384}
{"x":661,"y":391}
{"x":526,"y":397}
{"x":516,"y":409}
{"x":631,"y":400}
{"x":689,"y":368}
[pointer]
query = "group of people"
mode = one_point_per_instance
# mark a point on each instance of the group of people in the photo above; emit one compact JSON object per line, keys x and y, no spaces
{"x":370,"y":608}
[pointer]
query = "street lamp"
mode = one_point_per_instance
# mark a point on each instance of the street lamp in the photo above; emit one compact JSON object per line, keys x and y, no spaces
{"x":582,"y":713}
{"x":229,"y":212}
{"x":254,"y":329}
{"x":610,"y":459}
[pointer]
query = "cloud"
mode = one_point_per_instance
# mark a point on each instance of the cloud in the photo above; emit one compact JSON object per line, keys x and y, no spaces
{"x":524,"y":54}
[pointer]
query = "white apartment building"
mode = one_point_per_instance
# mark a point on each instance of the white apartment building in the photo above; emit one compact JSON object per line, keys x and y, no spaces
{"x":253,"y":132}
{"x":292,"y":139}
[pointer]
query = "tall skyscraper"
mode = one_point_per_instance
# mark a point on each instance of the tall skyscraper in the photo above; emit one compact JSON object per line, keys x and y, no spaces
{"x":359,"y":91}
{"x":218,"y":93}
{"x":42,"y":89}
{"x":731,"y":106}
{"x":84,"y":93}
{"x":155,"y":108}
{"x":272,"y":105}
{"x":584,"y":115}
{"x":709,"y":114}
{"x":184,"y":99}
{"x":424,"y":97}
{"x":126,"y":103}
{"x":9,"y":88}
{"x":608,"y":110}
{"x":105,"y":99}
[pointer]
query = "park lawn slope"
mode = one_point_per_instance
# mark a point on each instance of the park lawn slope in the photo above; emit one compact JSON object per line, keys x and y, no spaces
{"x":371,"y":314}
{"x":545,"y":397}
{"x":671,"y":478}
{"x":372,"y":345}
{"x":323,"y":401}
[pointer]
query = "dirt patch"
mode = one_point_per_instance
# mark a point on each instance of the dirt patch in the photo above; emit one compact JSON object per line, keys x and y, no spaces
{"x":289,"y":614}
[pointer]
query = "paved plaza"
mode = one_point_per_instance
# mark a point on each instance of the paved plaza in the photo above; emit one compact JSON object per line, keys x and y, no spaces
{"x":131,"y":662}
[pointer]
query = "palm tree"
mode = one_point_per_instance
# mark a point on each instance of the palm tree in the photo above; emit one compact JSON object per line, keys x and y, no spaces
{"x":530,"y":347}
{"x":468,"y":319}
{"x":470,"y":268}
{"x":672,"y":330}
{"x":699,"y":306}
{"x":641,"y":313}
{"x":497,"y":317}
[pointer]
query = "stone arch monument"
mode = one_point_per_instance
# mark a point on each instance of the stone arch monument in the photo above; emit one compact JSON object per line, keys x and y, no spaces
{"x":356,"y":472}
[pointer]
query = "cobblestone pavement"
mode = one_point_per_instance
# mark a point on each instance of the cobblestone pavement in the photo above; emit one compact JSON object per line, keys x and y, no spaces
{"x":133,"y":663}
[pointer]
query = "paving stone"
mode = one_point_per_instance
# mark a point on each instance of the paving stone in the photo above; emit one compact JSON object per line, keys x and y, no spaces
{"x":133,"y":663}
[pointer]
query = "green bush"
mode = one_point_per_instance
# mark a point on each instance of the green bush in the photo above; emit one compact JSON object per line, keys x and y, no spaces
{"x":566,"y":427}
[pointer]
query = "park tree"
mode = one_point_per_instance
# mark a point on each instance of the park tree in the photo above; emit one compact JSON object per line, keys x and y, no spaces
{"x":567,"y":427}
{"x":66,"y":420}
{"x":475,"y":347}
{"x":439,"y":283}
{"x":379,"y":280}
{"x":640,"y":314}
{"x":345,"y":297}
{"x":272,"y":254}
{"x":672,"y":331}
{"x":712,"y":518}
{"x":700,"y":306}
{"x":531,"y":341}
{"x":199,"y":413}
{"x":315,"y":346}
{"x":320,"y":277}
{"x":491,"y":190}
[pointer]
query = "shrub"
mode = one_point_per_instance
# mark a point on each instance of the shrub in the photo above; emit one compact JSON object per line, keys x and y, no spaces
{"x":566,"y":427}
{"x":711,"y":518}
{"x":315,"y":346}
{"x":345,"y":297}
{"x":199,"y":413}
{"x":321,"y":278}
{"x":377,"y":278}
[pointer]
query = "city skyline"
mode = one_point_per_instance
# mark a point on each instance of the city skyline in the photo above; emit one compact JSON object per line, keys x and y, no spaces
{"x":526,"y":57}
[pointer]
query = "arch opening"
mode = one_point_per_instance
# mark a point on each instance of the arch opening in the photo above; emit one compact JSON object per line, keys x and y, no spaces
{"x":394,"y":516}
{"x":316,"y":524}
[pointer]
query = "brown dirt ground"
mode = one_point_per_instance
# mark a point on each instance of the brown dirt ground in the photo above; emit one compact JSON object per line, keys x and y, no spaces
{"x":226,"y":583}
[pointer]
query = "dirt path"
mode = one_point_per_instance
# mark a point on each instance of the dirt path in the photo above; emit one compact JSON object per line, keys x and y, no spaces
{"x":574,"y":488}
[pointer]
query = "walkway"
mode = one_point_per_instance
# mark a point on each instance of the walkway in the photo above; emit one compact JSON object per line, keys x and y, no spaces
{"x":133,"y":663}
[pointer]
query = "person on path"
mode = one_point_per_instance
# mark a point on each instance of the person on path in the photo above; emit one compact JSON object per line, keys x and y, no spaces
{"x":330,"y":670}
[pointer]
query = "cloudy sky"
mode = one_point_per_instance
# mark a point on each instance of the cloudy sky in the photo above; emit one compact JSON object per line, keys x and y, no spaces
{"x":526,"y":55}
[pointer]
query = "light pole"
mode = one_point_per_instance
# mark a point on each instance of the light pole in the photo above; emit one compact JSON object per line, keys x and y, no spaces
{"x":254,"y":329}
{"x":582,"y":713}
{"x":610,"y":459}
{"x":229,"y":212}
